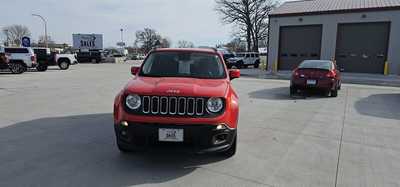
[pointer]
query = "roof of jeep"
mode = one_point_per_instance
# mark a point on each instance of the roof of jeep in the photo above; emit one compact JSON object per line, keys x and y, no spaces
{"x":201,"y":50}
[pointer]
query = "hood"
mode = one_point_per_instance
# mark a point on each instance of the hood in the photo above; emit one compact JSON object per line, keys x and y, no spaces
{"x":173,"y":86}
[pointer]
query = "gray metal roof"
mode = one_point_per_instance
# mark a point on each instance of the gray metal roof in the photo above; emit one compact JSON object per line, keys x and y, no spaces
{"x":327,"y":6}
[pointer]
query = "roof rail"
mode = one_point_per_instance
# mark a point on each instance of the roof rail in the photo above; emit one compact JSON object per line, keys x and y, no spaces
{"x":206,"y":47}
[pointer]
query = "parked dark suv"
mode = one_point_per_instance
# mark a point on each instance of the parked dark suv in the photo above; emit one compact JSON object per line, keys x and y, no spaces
{"x":90,"y":56}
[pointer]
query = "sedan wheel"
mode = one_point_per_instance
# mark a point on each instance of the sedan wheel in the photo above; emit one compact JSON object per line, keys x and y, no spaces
{"x":334,"y":93}
{"x":293,"y":91}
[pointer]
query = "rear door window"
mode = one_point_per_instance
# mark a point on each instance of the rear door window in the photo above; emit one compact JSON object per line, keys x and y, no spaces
{"x":16,"y":50}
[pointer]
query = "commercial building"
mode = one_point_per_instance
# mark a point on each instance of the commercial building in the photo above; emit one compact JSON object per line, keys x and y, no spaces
{"x":363,"y":36}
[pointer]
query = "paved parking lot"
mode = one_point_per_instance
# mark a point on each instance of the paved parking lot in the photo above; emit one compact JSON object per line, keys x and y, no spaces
{"x":56,"y":129}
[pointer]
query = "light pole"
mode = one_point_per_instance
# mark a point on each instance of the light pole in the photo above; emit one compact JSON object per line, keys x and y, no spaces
{"x":8,"y":38}
{"x":45,"y":28}
{"x":122,"y":35}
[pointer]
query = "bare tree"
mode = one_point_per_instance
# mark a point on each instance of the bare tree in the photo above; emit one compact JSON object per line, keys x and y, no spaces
{"x":146,"y":39}
{"x":259,"y":17}
{"x":250,"y":17}
{"x":237,"y":12}
{"x":165,"y":43}
{"x":236,"y":45}
{"x":14,"y":33}
{"x":185,"y":44}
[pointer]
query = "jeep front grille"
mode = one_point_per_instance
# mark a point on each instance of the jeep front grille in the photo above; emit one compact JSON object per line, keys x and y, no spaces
{"x":179,"y":106}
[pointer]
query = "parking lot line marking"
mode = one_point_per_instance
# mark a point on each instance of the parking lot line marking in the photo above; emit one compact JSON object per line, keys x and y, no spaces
{"x":236,"y":177}
{"x":341,"y":135}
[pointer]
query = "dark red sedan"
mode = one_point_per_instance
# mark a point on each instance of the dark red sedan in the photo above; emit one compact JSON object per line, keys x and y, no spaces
{"x":316,"y":74}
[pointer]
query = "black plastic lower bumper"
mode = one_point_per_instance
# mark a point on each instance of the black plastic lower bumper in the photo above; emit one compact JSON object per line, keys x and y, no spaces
{"x":196,"y":138}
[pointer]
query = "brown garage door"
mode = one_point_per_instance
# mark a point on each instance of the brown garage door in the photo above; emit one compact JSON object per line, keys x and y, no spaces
{"x":362,"y":47}
{"x":298,"y":43}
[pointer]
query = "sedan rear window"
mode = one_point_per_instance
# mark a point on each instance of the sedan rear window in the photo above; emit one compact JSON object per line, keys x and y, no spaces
{"x":316,"y":64}
{"x":183,"y":64}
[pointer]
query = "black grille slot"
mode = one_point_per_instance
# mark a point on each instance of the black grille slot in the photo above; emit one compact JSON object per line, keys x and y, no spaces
{"x":199,"y":106}
{"x":181,"y":106}
{"x":164,"y":105}
{"x":146,"y":104}
{"x":155,"y":105}
{"x":190,"y":106}
{"x":173,"y":108}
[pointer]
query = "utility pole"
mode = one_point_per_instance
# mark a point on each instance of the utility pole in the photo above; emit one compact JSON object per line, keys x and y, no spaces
{"x":122,"y":35}
{"x":45,"y":28}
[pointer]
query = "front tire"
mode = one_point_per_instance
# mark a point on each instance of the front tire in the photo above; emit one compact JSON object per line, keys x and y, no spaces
{"x":232,"y":150}
{"x":257,"y":64}
{"x":334,"y":93}
{"x":123,"y":149}
{"x":41,"y":68}
{"x":239,"y":65}
{"x":63,"y":64}
{"x":16,"y":68}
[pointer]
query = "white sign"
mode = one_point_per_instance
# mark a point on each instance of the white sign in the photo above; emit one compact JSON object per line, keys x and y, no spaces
{"x":87,"y":41}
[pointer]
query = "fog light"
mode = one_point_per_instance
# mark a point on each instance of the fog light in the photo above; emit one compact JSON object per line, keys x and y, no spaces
{"x":221,"y":127}
{"x":124,"y":123}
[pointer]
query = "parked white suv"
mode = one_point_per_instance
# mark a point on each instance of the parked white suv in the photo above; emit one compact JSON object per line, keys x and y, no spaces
{"x":21,"y":58}
{"x":243,"y":60}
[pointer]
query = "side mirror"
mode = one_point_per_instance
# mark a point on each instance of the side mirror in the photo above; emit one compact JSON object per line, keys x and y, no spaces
{"x":234,"y":73}
{"x":135,"y":70}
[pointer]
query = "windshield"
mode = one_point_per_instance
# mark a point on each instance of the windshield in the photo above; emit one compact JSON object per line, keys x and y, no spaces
{"x":240,"y":55}
{"x":316,"y":64}
{"x":183,"y":64}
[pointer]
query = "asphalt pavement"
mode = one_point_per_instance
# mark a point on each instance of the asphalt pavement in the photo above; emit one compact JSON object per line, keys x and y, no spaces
{"x":56,"y":129}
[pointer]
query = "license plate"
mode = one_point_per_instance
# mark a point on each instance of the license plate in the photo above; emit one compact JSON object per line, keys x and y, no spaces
{"x":311,"y":82}
{"x":170,"y":135}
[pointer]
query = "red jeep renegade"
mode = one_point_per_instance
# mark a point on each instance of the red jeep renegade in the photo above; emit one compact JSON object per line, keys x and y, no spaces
{"x":179,"y":98}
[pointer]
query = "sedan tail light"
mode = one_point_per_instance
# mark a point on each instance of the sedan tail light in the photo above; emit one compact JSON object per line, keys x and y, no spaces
{"x":296,"y":73}
{"x":331,"y":74}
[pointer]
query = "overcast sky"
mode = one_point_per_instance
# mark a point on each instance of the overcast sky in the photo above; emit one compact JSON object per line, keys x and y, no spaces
{"x":192,"y":20}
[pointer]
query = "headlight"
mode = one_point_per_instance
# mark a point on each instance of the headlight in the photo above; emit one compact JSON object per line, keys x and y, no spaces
{"x":215,"y":104}
{"x":133,"y":101}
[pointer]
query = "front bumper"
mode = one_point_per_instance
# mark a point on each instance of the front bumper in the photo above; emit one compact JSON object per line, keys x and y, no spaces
{"x":197,"y":138}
